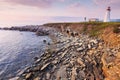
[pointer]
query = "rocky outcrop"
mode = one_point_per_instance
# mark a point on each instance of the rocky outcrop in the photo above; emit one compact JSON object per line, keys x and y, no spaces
{"x":42,"y":32}
{"x":71,"y":58}
{"x":75,"y":56}
{"x":111,"y":65}
{"x":39,"y":29}
{"x":109,"y":32}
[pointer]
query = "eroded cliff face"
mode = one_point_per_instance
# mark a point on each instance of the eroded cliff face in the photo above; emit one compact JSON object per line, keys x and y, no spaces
{"x":112,"y":39}
{"x":111,"y":66}
{"x":109,"y":32}
{"x":110,"y":59}
{"x":80,"y":52}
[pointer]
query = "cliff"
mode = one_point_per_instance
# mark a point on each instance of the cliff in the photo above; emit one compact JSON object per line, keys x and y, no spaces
{"x":109,"y":32}
{"x":81,"y":51}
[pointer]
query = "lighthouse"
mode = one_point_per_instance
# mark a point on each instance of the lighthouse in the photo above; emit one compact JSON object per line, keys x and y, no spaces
{"x":107,"y":16}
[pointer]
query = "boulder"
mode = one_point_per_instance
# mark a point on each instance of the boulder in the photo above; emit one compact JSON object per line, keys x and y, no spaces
{"x":28,"y":76}
{"x":80,"y":61}
{"x":44,"y":66}
{"x":80,"y":49}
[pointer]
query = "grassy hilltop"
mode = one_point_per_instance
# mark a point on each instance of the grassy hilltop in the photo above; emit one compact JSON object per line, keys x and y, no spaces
{"x":92,"y":28}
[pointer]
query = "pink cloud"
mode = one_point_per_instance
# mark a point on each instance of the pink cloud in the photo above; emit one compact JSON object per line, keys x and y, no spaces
{"x":106,"y":2}
{"x":113,"y":3}
{"x":78,"y":9}
{"x":35,"y":3}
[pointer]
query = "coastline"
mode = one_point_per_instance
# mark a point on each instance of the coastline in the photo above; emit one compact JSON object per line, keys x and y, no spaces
{"x":72,"y":58}
{"x":75,"y":55}
{"x":40,"y":30}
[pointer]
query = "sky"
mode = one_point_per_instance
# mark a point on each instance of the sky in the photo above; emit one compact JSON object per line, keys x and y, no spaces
{"x":37,"y":12}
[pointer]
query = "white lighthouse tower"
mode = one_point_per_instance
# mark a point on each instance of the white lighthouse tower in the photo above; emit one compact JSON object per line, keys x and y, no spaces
{"x":107,"y":16}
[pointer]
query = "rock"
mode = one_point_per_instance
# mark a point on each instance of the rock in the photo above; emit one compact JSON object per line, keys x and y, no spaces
{"x":36,"y":58}
{"x":48,"y":43}
{"x":88,"y":58}
{"x":42,"y":33}
{"x":74,"y":74}
{"x":44,"y":66}
{"x":79,"y":44}
{"x":74,"y":59}
{"x":80,"y":49}
{"x":61,"y":73}
{"x":63,"y":54}
{"x":48,"y":76}
{"x":82,"y":74}
{"x":94,"y":41}
{"x":15,"y":78}
{"x":37,"y":68}
{"x":96,"y":73}
{"x":44,"y":41}
{"x":28,"y":76}
{"x":80,"y":62}
{"x":89,"y":46}
{"x":54,"y":62}
{"x":37,"y":78}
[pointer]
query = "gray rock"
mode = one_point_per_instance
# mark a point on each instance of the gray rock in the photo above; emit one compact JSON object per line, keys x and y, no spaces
{"x":28,"y":76}
{"x":94,"y":41}
{"x":89,"y":46}
{"x":44,"y":66}
{"x":80,"y":49}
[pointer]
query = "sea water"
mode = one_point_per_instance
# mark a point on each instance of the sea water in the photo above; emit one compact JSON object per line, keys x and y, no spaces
{"x":17,"y":51}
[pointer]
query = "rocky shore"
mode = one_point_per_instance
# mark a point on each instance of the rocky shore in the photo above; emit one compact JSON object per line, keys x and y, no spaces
{"x":74,"y":58}
{"x":38,"y":29}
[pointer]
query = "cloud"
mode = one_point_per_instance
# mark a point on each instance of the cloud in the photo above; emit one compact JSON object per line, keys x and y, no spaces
{"x":34,"y":20}
{"x":101,"y":2}
{"x":114,"y":3}
{"x":83,"y":10}
{"x":34,"y":3}
{"x":65,"y":19}
{"x":78,"y":9}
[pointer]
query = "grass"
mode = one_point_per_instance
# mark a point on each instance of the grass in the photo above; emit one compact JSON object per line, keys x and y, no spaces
{"x":96,"y":28}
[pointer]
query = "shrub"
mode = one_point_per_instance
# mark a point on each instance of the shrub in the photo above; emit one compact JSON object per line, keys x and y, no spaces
{"x":116,"y":30}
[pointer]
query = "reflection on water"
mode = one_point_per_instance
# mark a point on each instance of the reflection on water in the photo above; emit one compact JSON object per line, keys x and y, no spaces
{"x":17,"y":50}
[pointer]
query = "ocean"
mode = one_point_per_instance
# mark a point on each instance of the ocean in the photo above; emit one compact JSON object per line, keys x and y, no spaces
{"x":18,"y":50}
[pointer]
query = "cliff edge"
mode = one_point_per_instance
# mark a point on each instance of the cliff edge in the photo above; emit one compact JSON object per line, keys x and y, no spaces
{"x":81,"y":51}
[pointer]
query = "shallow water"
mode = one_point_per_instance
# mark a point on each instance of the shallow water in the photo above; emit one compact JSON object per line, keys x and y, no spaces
{"x":17,"y":50}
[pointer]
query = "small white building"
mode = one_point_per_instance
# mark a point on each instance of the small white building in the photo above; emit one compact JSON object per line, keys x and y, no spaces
{"x":93,"y":20}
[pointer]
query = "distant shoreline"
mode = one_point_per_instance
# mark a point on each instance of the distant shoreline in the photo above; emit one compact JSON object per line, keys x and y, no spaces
{"x":39,"y":30}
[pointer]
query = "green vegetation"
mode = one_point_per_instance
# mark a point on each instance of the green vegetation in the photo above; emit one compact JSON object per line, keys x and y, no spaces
{"x":97,"y":27}
{"x":102,"y":26}
{"x":116,"y":30}
{"x":91,"y":28}
{"x":87,"y":23}
{"x":85,"y":29}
